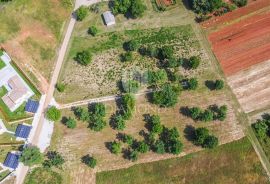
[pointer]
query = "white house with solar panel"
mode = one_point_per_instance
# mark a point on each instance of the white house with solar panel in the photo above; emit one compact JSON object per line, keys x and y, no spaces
{"x":16,"y":90}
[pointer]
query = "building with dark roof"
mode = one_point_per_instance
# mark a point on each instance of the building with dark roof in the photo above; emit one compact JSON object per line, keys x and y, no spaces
{"x":23,"y":131}
{"x":12,"y":161}
{"x":31,"y":106}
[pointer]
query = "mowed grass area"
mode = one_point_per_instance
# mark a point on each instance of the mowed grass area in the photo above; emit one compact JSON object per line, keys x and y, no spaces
{"x":234,"y":163}
{"x":31,"y":30}
{"x":106,"y":70}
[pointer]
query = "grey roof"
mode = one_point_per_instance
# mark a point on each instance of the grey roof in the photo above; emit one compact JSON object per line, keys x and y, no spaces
{"x":108,"y":17}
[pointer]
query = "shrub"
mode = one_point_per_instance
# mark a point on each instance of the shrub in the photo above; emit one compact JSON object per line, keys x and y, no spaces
{"x":166,"y":97}
{"x":133,"y":156}
{"x":135,"y":7}
{"x":151,"y":51}
{"x":99,"y":110}
{"x":128,"y":139}
{"x":200,"y":135}
{"x":89,"y":161}
{"x":53,"y":114}
{"x":127,"y":56}
{"x":170,"y":138}
{"x":210,"y":142}
{"x":128,"y":102}
{"x":157,"y":77}
{"x":71,"y":123}
{"x":166,"y":52}
{"x":175,"y":147}
{"x":54,"y":159}
{"x":222,"y":113}
{"x":81,"y":12}
{"x":83,"y":58}
{"x":31,"y":156}
{"x":120,"y":123}
{"x":60,"y":87}
{"x":192,"y":84}
{"x":131,"y":86}
{"x":194,"y":62}
{"x":159,"y":147}
{"x":173,"y":62}
{"x":240,"y":3}
{"x":156,"y":126}
{"x":116,"y":147}
{"x":219,"y":84}
{"x":82,"y":114}
{"x":131,"y":45}
{"x":97,"y":123}
{"x":93,"y":30}
{"x":195,"y":113}
{"x":204,"y":7}
{"x":207,"y":116}
{"x":261,"y":128}
{"x":142,"y":147}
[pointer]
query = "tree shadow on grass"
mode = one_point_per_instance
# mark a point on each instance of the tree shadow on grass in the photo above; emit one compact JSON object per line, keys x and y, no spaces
{"x":189,"y":133}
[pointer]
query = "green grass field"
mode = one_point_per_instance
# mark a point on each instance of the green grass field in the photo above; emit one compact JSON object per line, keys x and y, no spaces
{"x":231,"y":163}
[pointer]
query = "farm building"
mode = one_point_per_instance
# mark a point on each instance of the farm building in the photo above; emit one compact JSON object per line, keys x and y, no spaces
{"x":23,"y":131}
{"x":31,"y":106}
{"x":109,"y":18}
{"x":12,"y":161}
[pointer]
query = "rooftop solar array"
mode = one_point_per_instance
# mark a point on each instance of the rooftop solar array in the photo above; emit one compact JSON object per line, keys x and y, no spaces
{"x":22,"y":131}
{"x":32,"y":106}
{"x":12,"y":161}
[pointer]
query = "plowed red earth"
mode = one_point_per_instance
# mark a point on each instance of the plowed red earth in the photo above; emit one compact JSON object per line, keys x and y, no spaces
{"x":243,"y":44}
{"x":252,"y":6}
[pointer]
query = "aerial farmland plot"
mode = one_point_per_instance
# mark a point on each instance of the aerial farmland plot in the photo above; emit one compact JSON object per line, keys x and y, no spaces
{"x":242,"y":47}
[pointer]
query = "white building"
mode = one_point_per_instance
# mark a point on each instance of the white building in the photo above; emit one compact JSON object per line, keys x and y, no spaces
{"x":109,"y":18}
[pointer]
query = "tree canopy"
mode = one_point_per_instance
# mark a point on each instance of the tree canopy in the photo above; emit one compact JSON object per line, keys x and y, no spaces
{"x":167,"y":96}
{"x":31,"y":156}
{"x":84,"y":57}
{"x":53,"y":114}
{"x":135,"y":7}
{"x":81,"y":13}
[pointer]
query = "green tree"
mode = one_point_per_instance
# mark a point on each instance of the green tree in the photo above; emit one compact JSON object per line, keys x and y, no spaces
{"x":204,"y":7}
{"x":175,"y":147}
{"x":222,"y":113}
{"x":261,"y":128}
{"x":195,"y":113}
{"x":157,"y":77}
{"x":240,"y":3}
{"x":219,"y":84}
{"x":120,"y":123}
{"x":142,"y":147}
{"x":166,"y":52}
{"x":156,"y":126}
{"x":60,"y":87}
{"x":200,"y":135}
{"x":82,"y":114}
{"x":89,"y":161}
{"x":54,"y":159}
{"x":99,"y":110}
{"x":53,"y":114}
{"x":31,"y":156}
{"x":131,"y":45}
{"x":194,"y":62}
{"x":81,"y":12}
{"x":97,"y":123}
{"x":127,"y":56}
{"x":116,"y":147}
{"x":133,"y":156}
{"x":71,"y":123}
{"x":128,"y":139}
{"x":159,"y":147}
{"x":83,"y":58}
{"x":166,"y":97}
{"x":131,"y":86}
{"x":121,"y":6}
{"x":93,"y":30}
{"x":207,"y":116}
{"x":137,"y":8}
{"x":210,"y":142}
{"x":128,"y":104}
{"x":192,"y":84}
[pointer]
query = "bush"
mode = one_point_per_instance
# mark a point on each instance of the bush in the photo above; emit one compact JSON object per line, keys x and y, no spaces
{"x":131,"y":45}
{"x":54,"y":159}
{"x":89,"y":161}
{"x":93,"y":30}
{"x":173,"y":62}
{"x":195,"y":113}
{"x":175,"y":147}
{"x":166,"y":52}
{"x":53,"y":114}
{"x":71,"y":123}
{"x":116,"y":147}
{"x":219,"y":84}
{"x":204,"y":7}
{"x":261,"y":128}
{"x":131,"y":86}
{"x":222,"y":113}
{"x":210,"y":142}
{"x":156,"y":127}
{"x":142,"y":147}
{"x":128,"y":139}
{"x":192,"y":84}
{"x":150,"y":51}
{"x":135,"y":7}
{"x":194,"y":62}
{"x":170,"y":139}
{"x":207,"y":116}
{"x":120,"y":123}
{"x":133,"y":156}
{"x":82,"y":114}
{"x":157,"y":77}
{"x":99,"y":110}
{"x":83,"y":58}
{"x":81,"y":12}
{"x":166,"y":97}
{"x":97,"y":123}
{"x":240,"y":3}
{"x":159,"y":147}
{"x":127,"y":56}
{"x":60,"y":87}
{"x":31,"y":156}
{"x":128,"y":102}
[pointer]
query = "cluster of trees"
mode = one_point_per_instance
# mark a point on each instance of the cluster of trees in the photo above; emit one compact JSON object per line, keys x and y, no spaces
{"x":31,"y":156}
{"x":83,"y":58}
{"x":204,"y":7}
{"x":261,"y":127}
{"x":190,"y":84}
{"x":212,"y":113}
{"x":160,"y":140}
{"x":135,"y":8}
{"x":53,"y":159}
{"x":204,"y":139}
{"x":240,"y":3}
{"x":126,"y":111}
{"x":71,"y":123}
{"x":81,"y":13}
{"x":53,"y":114}
{"x":94,"y":116}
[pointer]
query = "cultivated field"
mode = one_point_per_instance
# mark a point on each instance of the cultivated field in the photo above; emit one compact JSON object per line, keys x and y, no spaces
{"x":234,"y":163}
{"x":30,"y":32}
{"x":73,"y":144}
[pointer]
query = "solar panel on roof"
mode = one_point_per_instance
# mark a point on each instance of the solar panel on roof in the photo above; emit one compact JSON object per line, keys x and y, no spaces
{"x":22,"y":131}
{"x":32,"y":106}
{"x":12,"y":161}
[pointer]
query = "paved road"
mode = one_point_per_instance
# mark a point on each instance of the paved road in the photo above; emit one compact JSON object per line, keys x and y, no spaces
{"x":56,"y":72}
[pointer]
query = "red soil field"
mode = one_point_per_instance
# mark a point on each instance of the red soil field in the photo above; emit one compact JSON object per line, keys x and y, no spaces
{"x":243,"y":44}
{"x":252,"y":6}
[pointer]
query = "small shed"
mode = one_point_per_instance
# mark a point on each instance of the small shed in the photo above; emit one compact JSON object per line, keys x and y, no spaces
{"x":31,"y":106}
{"x":12,"y":161}
{"x":109,"y":18}
{"x":23,"y":131}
